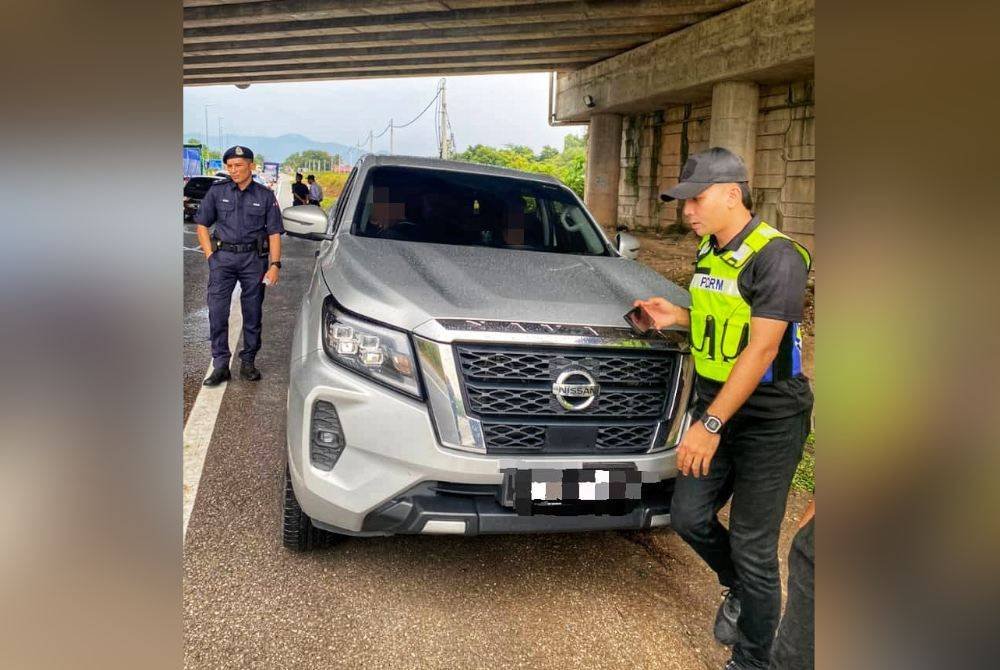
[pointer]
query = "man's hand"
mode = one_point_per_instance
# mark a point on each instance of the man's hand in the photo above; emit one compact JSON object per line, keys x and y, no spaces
{"x":660,"y":313}
{"x":271,"y":275}
{"x":695,"y":453}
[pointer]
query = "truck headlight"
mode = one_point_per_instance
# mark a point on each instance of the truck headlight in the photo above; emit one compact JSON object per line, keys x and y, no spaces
{"x":375,"y":351}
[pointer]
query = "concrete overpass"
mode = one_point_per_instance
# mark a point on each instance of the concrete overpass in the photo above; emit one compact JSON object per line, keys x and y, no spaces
{"x":289,"y":40}
{"x":655,"y":79}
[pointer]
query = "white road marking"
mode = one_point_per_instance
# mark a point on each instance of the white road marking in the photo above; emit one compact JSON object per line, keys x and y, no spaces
{"x":201,"y":421}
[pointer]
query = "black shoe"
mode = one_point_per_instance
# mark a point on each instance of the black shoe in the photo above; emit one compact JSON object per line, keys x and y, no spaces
{"x":218,"y":376}
{"x":249,"y":372}
{"x":726,"y":630}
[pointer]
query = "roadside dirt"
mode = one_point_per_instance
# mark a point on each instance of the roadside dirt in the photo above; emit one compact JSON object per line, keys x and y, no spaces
{"x":694,"y":587}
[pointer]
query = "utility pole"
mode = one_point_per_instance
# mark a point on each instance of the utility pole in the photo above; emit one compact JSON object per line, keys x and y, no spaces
{"x":221,"y":143}
{"x":391,"y":139}
{"x":206,"y":127}
{"x":444,"y":151}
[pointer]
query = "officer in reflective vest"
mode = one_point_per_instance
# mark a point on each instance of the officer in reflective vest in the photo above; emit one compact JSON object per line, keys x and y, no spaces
{"x":245,"y":247}
{"x":753,"y":405}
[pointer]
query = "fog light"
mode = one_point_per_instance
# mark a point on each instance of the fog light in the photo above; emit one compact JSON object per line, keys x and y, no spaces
{"x":326,"y":442}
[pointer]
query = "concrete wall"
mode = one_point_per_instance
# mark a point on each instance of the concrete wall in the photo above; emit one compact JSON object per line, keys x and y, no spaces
{"x":655,"y":145}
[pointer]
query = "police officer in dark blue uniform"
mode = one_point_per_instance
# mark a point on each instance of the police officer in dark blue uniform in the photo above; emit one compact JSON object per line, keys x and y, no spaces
{"x":245,"y":247}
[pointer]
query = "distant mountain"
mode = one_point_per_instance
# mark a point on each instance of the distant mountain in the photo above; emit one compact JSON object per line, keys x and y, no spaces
{"x":277,"y":149}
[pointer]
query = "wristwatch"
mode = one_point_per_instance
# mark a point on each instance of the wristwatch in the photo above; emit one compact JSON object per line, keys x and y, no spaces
{"x":277,"y":263}
{"x":713,"y":424}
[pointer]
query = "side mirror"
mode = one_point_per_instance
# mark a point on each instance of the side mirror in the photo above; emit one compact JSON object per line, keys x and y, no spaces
{"x":306,"y":221}
{"x":627,"y":245}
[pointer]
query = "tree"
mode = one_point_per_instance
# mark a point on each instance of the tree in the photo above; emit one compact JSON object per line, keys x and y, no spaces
{"x":547,"y":152}
{"x":305,"y":158}
{"x":569,"y":165}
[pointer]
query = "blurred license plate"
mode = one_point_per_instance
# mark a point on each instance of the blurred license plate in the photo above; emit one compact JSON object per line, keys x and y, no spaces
{"x":544,"y":486}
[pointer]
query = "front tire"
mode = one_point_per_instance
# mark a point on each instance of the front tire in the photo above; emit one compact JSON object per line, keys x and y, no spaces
{"x":297,"y":531}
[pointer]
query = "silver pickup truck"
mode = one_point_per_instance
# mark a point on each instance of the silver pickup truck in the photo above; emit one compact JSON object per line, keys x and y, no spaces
{"x":461,"y":363}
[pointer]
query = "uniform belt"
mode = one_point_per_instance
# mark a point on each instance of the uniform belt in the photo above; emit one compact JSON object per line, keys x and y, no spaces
{"x":237,"y":247}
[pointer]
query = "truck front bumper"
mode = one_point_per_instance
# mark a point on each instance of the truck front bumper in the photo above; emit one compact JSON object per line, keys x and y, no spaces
{"x":388,"y":478}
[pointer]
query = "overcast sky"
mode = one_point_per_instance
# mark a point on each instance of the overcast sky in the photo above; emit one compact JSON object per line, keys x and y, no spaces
{"x":484,"y":109}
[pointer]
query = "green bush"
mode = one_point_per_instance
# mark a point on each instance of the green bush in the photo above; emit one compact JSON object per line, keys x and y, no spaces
{"x":805,"y":474}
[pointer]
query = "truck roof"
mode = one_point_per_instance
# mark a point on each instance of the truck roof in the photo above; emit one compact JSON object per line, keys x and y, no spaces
{"x":372,"y":160}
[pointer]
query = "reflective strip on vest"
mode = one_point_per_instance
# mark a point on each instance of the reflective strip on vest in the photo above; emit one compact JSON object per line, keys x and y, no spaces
{"x":720,"y":316}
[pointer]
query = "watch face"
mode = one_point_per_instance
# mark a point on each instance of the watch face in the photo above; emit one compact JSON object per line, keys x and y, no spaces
{"x":712,"y":424}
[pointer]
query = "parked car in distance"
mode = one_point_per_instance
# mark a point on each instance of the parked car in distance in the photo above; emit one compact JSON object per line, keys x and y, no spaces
{"x":194,"y":190}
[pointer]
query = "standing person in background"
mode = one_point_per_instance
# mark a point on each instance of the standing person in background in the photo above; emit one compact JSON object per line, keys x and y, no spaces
{"x":315,"y":190}
{"x":300,"y":192}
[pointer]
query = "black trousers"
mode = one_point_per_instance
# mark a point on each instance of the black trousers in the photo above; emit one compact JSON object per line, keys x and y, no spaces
{"x":755,"y":463}
{"x":225,"y":268}
{"x":794,"y":646}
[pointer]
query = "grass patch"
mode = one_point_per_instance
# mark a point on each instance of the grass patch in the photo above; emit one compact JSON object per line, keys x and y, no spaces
{"x":805,"y":475}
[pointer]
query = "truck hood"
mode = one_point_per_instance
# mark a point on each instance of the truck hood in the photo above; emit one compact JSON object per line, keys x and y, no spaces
{"x":405,"y":284}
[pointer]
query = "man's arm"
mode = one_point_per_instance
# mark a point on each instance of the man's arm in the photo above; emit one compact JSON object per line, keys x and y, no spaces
{"x":274,"y":228}
{"x":695,"y":453}
{"x":750,"y":366}
{"x":205,"y":217}
{"x":204,"y":240}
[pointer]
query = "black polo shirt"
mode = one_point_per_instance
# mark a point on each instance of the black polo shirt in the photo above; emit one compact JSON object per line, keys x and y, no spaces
{"x":773,"y":282}
{"x":240,"y":216}
{"x":301,"y":190}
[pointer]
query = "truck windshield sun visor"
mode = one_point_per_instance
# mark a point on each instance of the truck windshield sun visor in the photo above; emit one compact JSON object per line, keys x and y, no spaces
{"x":377,"y":352}
{"x":448,"y":207}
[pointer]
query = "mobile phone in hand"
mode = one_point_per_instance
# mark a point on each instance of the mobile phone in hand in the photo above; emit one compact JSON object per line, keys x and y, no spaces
{"x":636,"y":318}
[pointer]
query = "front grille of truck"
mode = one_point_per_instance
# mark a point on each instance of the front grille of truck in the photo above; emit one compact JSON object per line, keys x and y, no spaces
{"x":509,"y":389}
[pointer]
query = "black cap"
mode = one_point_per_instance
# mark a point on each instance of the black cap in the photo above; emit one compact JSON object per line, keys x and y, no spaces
{"x":714,"y":166}
{"x":238,"y":152}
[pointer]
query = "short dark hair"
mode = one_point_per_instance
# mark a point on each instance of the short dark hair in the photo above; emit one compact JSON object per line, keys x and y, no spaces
{"x":747,"y":195}
{"x":312,"y":177}
{"x":298,"y":176}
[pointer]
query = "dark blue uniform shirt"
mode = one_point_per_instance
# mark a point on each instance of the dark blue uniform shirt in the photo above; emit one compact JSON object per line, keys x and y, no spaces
{"x":240,"y":217}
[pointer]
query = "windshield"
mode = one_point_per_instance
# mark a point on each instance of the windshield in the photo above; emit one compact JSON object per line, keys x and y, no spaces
{"x":443,"y":207}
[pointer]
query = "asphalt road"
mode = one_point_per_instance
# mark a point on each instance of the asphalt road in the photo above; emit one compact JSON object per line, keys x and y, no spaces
{"x":609,"y":600}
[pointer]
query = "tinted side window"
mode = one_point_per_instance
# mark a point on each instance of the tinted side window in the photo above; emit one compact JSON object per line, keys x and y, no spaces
{"x":342,"y":200}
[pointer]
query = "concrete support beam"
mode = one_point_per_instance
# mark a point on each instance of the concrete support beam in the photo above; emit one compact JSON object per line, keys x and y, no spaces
{"x":641,"y":29}
{"x":764,"y":41}
{"x":285,"y":26}
{"x":604,"y":150}
{"x":734,"y":119}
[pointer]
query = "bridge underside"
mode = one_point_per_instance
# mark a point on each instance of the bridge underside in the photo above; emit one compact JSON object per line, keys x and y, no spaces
{"x":227,"y":42}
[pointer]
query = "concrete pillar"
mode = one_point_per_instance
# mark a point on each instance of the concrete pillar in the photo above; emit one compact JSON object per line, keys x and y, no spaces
{"x":734,"y":119}
{"x":604,"y":155}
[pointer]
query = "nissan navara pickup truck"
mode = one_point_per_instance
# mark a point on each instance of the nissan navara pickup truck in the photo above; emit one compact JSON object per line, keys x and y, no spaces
{"x":460,"y":363}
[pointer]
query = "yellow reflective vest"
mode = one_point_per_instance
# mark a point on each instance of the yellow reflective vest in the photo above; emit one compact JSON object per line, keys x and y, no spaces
{"x":720,"y":316}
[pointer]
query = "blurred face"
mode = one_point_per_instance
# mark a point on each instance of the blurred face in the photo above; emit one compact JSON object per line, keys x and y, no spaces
{"x":712,"y":209}
{"x":239,"y":169}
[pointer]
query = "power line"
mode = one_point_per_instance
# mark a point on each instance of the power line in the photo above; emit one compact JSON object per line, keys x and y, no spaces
{"x":371,"y":136}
